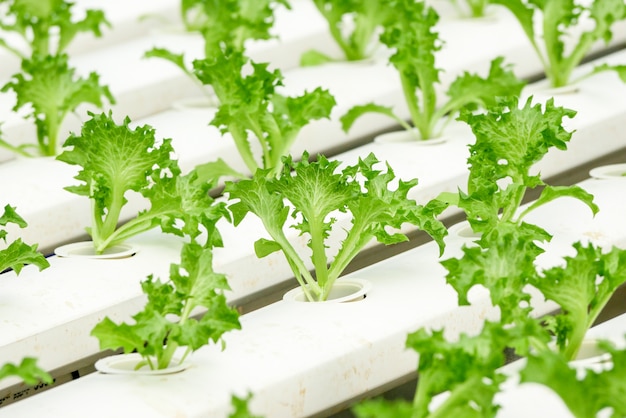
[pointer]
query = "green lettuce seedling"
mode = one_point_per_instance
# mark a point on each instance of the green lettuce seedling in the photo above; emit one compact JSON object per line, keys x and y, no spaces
{"x":241,"y":408}
{"x":193,"y":284}
{"x":27,"y":370}
{"x":230,"y":21}
{"x":47,"y":86}
{"x":510,"y":140}
{"x":47,"y":27}
{"x":503,"y":263}
{"x":115,"y":160}
{"x":585,"y":393}
{"x":49,"y":89}
{"x":581,"y":288}
{"x":317,"y":191}
{"x":465,"y":373}
{"x":410,"y":34}
{"x":250,"y":107}
{"x":562,"y":43}
{"x":15,"y":256}
{"x":222,"y":23}
{"x":17,"y":253}
{"x":353,"y":24}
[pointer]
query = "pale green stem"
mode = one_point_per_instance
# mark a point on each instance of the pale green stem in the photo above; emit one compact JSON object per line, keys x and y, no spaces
{"x":318,"y":256}
{"x":102,"y":231}
{"x":240,"y":136}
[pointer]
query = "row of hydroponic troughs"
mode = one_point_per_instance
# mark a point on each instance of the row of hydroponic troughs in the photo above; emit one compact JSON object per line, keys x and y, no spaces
{"x":453,"y":176}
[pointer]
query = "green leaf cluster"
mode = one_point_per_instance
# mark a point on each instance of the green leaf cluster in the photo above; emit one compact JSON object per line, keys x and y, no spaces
{"x":510,"y":140}
{"x":241,"y":409}
{"x":224,"y":24}
{"x":586,"y":393}
{"x":48,"y":87}
{"x":410,"y":34}
{"x":463,"y":372}
{"x":560,"y":42}
{"x":230,"y":21}
{"x":193,"y":286}
{"x":250,"y":107}
{"x":316,"y":192}
{"x":353,"y":24}
{"x":18,"y":254}
{"x":15,"y":257}
{"x":116,"y":160}
{"x":46,"y":26}
{"x":27,"y":370}
{"x":581,"y":288}
{"x":503,"y":262}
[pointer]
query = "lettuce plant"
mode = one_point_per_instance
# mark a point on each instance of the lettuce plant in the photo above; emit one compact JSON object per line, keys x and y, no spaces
{"x":250,"y":107}
{"x":581,"y":287}
{"x":588,"y":393}
{"x":47,"y":27}
{"x":353,"y":24}
{"x":241,"y":408}
{"x":464,"y":373}
{"x":193,"y":285}
{"x":503,"y":263}
{"x":562,"y":41}
{"x":47,"y":85}
{"x":221,"y":23}
{"x":17,"y":253}
{"x":510,"y":140}
{"x":49,"y":89}
{"x":410,"y":35}
{"x":27,"y":370}
{"x":317,"y":191}
{"x":230,"y":21}
{"x":115,"y":160}
{"x":15,"y":256}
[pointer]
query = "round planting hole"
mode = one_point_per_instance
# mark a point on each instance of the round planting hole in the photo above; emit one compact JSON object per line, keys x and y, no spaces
{"x":86,"y":249}
{"x":127,"y":363}
{"x":612,"y":171}
{"x":347,"y":290}
{"x":407,"y":137}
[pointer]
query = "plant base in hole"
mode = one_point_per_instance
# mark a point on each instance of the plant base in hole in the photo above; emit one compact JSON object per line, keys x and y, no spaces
{"x":127,"y":364}
{"x":86,"y":249}
{"x":349,"y":290}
